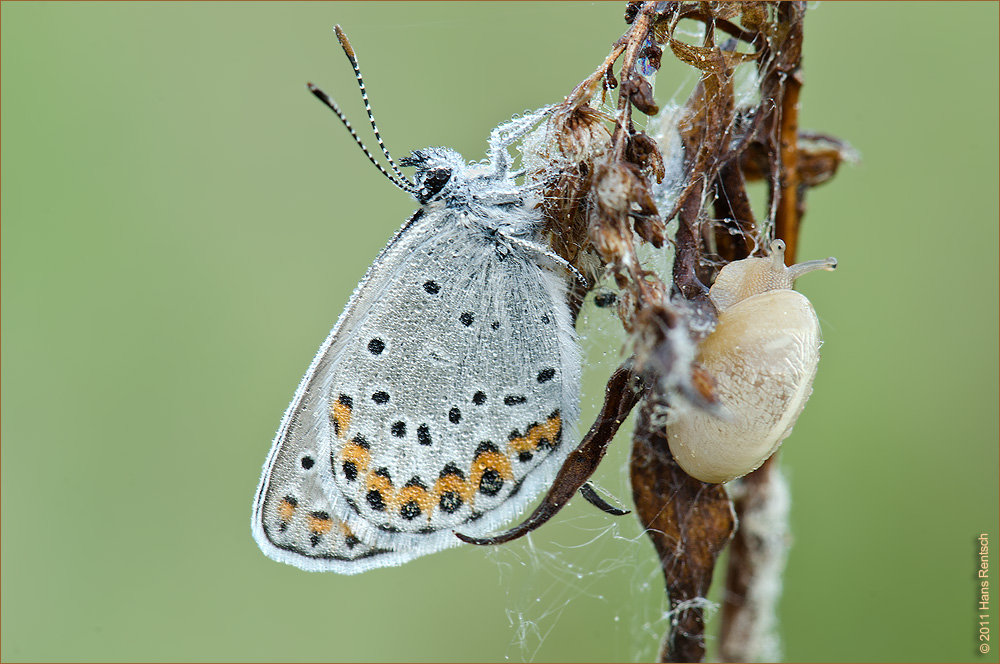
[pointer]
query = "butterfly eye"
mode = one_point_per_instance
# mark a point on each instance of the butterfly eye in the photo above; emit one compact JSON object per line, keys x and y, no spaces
{"x":432,"y":183}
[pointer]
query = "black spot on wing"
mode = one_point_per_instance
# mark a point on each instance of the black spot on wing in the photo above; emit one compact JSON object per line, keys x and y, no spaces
{"x":450,"y":502}
{"x":375,"y":501}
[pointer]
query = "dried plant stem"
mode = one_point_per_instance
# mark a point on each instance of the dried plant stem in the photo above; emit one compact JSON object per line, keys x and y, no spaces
{"x":601,"y":200}
{"x":690,"y":523}
{"x":758,"y":552}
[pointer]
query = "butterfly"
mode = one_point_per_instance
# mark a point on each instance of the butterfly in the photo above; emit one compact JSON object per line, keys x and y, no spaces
{"x":445,"y":396}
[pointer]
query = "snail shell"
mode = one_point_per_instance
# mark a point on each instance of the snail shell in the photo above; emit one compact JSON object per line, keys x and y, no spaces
{"x":763,"y":355}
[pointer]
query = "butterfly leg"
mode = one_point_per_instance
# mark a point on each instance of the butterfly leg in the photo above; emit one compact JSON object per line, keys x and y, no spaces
{"x":507,"y":134}
{"x":545,"y":251}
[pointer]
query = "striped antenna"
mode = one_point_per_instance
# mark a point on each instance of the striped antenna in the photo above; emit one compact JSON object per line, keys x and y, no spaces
{"x":401,"y":181}
{"x":349,"y":50}
{"x":323,"y":97}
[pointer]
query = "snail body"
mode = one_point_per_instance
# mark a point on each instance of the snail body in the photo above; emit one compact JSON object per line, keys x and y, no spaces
{"x":763,"y":356}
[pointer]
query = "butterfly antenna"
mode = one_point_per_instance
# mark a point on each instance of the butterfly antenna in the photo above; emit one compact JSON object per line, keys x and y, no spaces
{"x":401,"y":181}
{"x":349,"y":51}
{"x":322,"y":96}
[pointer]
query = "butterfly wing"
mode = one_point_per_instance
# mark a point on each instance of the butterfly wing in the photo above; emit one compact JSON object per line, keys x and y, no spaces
{"x":440,"y":400}
{"x":294,"y":520}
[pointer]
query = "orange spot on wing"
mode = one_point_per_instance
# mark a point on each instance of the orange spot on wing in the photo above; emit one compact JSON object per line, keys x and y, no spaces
{"x":340,"y":414}
{"x":491,"y":461}
{"x":285,"y":510}
{"x":359,"y":455}
{"x":319,"y":524}
{"x":418,"y":495}
{"x":547,"y":431}
{"x":455,"y":484}
{"x":384,"y":486}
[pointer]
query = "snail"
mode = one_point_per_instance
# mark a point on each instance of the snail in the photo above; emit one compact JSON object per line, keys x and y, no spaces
{"x":763,"y":356}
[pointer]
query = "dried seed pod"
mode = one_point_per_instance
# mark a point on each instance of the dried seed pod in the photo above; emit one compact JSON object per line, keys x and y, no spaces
{"x":763,"y":356}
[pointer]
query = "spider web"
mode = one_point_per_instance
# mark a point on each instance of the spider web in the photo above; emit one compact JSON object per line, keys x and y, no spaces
{"x":587,"y":565}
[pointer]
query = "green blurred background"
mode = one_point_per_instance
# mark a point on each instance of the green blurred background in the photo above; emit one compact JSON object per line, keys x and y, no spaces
{"x":183,"y":223}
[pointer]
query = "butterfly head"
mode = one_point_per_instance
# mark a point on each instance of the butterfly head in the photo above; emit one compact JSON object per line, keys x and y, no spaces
{"x":435,"y":170}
